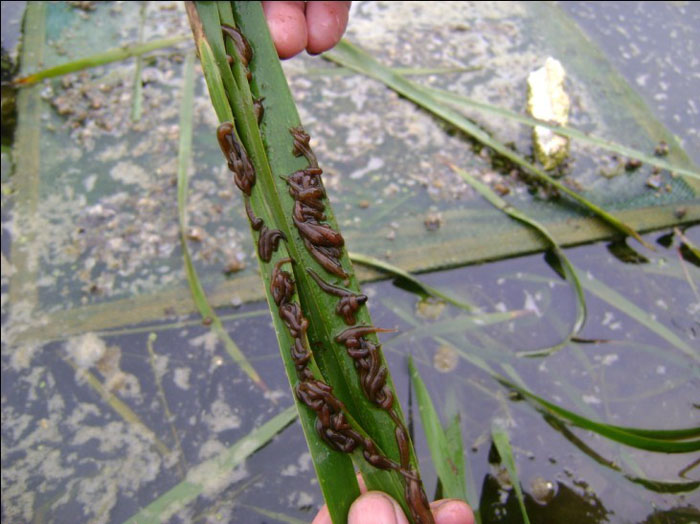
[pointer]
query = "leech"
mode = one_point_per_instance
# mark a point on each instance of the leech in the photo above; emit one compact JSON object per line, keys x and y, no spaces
{"x":255,"y":222}
{"x":325,"y":246}
{"x":327,"y":262}
{"x":352,"y":335}
{"x":349,"y":302}
{"x":242,"y":46}
{"x":281,"y":283}
{"x":268,"y":242}
{"x":318,"y":234}
{"x":301,"y":145}
{"x":237,"y":157}
{"x":259,"y":109}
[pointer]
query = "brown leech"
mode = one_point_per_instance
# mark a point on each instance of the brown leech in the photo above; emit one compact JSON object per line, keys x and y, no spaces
{"x":320,"y":239}
{"x":301,"y":145}
{"x":255,"y":222}
{"x":349,"y":302}
{"x":328,"y":258}
{"x":242,"y":46}
{"x":237,"y":157}
{"x":318,"y":234}
{"x":268,"y":242}
{"x":258,"y":109}
{"x":372,"y":376}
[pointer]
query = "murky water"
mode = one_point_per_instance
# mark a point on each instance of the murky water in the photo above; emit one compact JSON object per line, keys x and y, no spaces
{"x":114,"y":394}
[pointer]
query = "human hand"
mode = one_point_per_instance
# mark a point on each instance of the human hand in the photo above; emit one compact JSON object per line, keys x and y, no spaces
{"x":314,"y":26}
{"x":375,"y":507}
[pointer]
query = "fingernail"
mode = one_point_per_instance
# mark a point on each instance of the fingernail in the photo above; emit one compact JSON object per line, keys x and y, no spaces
{"x":376,"y":508}
{"x":452,"y":511}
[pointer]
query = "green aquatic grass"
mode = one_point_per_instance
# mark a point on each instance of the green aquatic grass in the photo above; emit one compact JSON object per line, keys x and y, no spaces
{"x":207,"y":474}
{"x":269,"y":147}
{"x":99,"y":59}
{"x":137,"y":84}
{"x":351,"y":56}
{"x":406,"y":71}
{"x":567,"y":270}
{"x":396,"y":271}
{"x":121,"y":408}
{"x":644,"y":318}
{"x":182,"y":464}
{"x":682,"y":440}
{"x":463,"y":102}
{"x":275,"y":515}
{"x":198,"y":295}
{"x":446,"y":451}
{"x":676,"y":441}
{"x":501,"y":440}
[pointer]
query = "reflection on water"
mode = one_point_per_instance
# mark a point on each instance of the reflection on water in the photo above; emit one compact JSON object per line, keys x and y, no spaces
{"x":69,"y":446}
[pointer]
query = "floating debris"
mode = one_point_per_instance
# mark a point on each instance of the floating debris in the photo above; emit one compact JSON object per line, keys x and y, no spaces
{"x":661,"y":149}
{"x":430,"y":308}
{"x":445,"y":358}
{"x":542,"y":490}
{"x":654,"y":181}
{"x":633,"y":164}
{"x":433,"y":221}
{"x":547,"y":101}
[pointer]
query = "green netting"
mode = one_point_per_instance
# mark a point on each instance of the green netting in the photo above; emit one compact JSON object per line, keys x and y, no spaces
{"x":95,"y":209}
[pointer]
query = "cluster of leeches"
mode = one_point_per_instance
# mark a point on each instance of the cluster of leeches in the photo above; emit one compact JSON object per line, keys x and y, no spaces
{"x":325,"y":245}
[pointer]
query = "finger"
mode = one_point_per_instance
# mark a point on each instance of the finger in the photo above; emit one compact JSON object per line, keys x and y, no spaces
{"x":324,"y":517}
{"x":287,"y":24}
{"x":325,"y":22}
{"x":375,"y":507}
{"x":452,"y":511}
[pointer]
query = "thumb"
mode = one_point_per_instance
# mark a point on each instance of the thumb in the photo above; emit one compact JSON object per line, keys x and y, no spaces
{"x":375,"y":507}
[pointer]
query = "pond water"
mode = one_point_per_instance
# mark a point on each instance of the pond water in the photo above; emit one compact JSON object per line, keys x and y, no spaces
{"x":117,"y":397}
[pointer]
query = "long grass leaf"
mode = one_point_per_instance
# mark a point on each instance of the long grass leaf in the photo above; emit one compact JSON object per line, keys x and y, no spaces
{"x":644,"y":318}
{"x":198,"y":295}
{"x":569,"y":272}
{"x":447,"y":459}
{"x":658,"y":486}
{"x":459,"y":324}
{"x":353,"y":57}
{"x":455,"y":446}
{"x":209,"y":473}
{"x":274,"y":161}
{"x":152,"y":337}
{"x":335,"y":470}
{"x":406,"y":71}
{"x":463,"y":102}
{"x":396,"y":271}
{"x":137,"y":84}
{"x":275,"y":515}
{"x":122,"y":409}
{"x":113,"y":55}
{"x":502,"y":443}
{"x":663,"y":441}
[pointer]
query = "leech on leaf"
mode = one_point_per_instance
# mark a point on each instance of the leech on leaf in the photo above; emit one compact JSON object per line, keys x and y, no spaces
{"x":349,"y":302}
{"x":237,"y":157}
{"x":352,"y":335}
{"x":268,"y":242}
{"x":241,"y":44}
{"x":301,"y":145}
{"x":281,"y":283}
{"x":326,"y":259}
{"x":255,"y":222}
